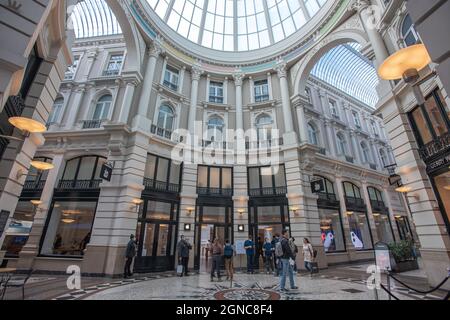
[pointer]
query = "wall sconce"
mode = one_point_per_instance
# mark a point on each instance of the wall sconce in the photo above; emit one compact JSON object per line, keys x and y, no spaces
{"x":36,"y":204}
{"x":40,"y":167}
{"x":137,"y":202}
{"x":349,"y":213}
{"x":190,"y":210}
{"x":187,"y":227}
{"x":241,"y":228}
{"x":294,"y":210}
{"x":241,"y":211}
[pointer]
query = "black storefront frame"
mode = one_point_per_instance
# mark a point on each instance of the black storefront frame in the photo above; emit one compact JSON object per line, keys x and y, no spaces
{"x":356,"y":210}
{"x":153,"y":263}
{"x":208,"y":181}
{"x":332,"y":205}
{"x":255,"y":203}
{"x":77,"y":171}
{"x":67,"y":197}
{"x":260,"y":183}
{"x":385,"y":213}
{"x":433,"y":172}
{"x":408,"y":227}
{"x":169,"y":171}
{"x":204,"y":201}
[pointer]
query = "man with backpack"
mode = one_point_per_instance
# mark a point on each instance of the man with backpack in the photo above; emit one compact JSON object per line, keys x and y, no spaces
{"x":284,"y":253}
{"x":228,"y":253}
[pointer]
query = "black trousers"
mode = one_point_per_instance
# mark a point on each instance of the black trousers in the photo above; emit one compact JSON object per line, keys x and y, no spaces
{"x":184,"y":263}
{"x":127,"y":271}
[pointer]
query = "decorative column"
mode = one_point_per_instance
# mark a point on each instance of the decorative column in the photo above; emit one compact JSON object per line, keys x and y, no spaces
{"x":141,"y":120}
{"x":368,"y":19}
{"x":238,"y":79}
{"x":77,"y":94}
{"x":196,"y":73}
{"x":131,"y":81}
{"x":345,"y":218}
{"x":285,"y":97}
{"x":331,"y":146}
{"x":90,"y":88}
{"x":31,"y":248}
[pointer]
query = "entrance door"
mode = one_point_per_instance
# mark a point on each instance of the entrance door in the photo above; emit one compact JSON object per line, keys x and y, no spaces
{"x":208,"y":233}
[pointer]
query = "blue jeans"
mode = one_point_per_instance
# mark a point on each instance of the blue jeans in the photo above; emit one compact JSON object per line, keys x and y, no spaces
{"x":250,"y":258}
{"x":308,"y":266}
{"x":287,"y":268}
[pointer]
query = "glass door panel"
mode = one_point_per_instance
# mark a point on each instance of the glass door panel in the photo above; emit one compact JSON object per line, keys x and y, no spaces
{"x":149,"y":236}
{"x":162,"y":241}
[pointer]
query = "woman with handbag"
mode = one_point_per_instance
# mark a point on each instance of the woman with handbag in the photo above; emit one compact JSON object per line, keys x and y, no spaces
{"x":308,"y":254}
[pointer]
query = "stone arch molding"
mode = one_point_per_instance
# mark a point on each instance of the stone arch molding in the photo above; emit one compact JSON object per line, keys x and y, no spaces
{"x":134,"y":42}
{"x":354,"y":33}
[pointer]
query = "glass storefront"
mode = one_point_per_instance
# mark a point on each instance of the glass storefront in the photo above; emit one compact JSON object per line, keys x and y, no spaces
{"x":331,"y":230}
{"x":442,"y":186}
{"x":69,"y":227}
{"x":16,"y":235}
{"x":156,"y":235}
{"x":360,"y":233}
{"x":383,"y":227}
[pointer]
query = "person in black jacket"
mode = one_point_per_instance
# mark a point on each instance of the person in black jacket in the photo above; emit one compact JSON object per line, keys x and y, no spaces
{"x":129,"y":254}
{"x":287,"y":266}
{"x":183,"y":248}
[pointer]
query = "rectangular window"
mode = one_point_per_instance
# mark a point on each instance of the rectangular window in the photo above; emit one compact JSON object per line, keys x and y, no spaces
{"x":436,"y":116}
{"x":214,"y":180}
{"x":171,"y":78}
{"x":271,"y":214}
{"x":214,"y":215}
{"x":360,"y":231}
{"x":72,"y":70}
{"x":114,"y":65}
{"x":69,"y":228}
{"x":163,"y":169}
{"x":333,"y":109}
{"x":331,"y":230}
{"x":383,"y":227}
{"x":261,"y":89}
{"x":216,"y":92}
{"x":158,"y":210}
{"x":356,"y":120}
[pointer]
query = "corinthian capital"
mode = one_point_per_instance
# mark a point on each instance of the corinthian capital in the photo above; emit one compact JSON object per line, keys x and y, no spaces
{"x":196,"y":72}
{"x":281,"y":68}
{"x":359,"y":5}
{"x":238,"y":78}
{"x":155,"y":49}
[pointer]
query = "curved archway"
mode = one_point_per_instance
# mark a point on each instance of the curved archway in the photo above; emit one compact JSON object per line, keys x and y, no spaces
{"x":328,"y":43}
{"x":134,"y":42}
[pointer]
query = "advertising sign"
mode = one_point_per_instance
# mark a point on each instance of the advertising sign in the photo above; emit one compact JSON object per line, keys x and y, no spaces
{"x":317,"y":186}
{"x":240,"y":247}
{"x":106,"y":172}
{"x":382,"y":256}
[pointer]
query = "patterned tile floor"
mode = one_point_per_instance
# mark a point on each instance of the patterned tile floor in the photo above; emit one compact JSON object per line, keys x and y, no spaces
{"x":245,"y":287}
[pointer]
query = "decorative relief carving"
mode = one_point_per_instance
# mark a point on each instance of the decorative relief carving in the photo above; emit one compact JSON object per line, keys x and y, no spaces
{"x":238,"y":78}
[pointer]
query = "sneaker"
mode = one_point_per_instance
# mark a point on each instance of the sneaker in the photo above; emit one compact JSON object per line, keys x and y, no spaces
{"x":284,"y":290}
{"x":294,"y":288}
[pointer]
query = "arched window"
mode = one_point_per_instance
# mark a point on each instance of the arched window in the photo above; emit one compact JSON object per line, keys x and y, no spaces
{"x":365,"y":151}
{"x":383,"y":158}
{"x":166,"y":117}
{"x":264,"y":125}
{"x":56,"y":111}
{"x":215,"y":128}
{"x":82,"y":172}
{"x":374,"y":194}
{"x":341,"y":144}
{"x":329,"y":188}
{"x":101,"y":110}
{"x":351,"y":190}
{"x":409,"y":33}
{"x":312,"y":134}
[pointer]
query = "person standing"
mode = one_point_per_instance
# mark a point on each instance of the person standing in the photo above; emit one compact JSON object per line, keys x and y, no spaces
{"x":129,"y":254}
{"x":286,"y":265}
{"x":228,"y":253}
{"x":183,"y":248}
{"x":268,"y":250}
{"x":308,"y":254}
{"x":294,"y":250}
{"x":217,"y":253}
{"x":276,"y":260}
{"x":249,"y":247}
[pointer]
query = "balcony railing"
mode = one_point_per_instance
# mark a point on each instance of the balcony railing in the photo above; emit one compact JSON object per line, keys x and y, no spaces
{"x":14,"y":106}
{"x":111,"y":73}
{"x":263,"y":143}
{"x":170,"y":85}
{"x":217,"y":144}
{"x":436,"y":147}
{"x":162,"y":186}
{"x":161,"y":132}
{"x":92,"y":124}
{"x":322,"y":151}
{"x":224,"y":192}
{"x":268,"y":191}
{"x":79,"y":184}
{"x":69,"y":76}
{"x":327,"y":196}
{"x":262,"y":98}
{"x":349,"y":159}
{"x":34,"y":185}
{"x":215,"y":99}
{"x":378,"y":206}
{"x":353,"y":203}
{"x":327,"y":199}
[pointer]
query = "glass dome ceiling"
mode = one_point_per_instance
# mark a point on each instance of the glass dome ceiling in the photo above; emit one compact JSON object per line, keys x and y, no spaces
{"x":236,"y":25}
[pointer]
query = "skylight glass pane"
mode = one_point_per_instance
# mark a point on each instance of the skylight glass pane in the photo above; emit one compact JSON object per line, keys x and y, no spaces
{"x":253,"y":27}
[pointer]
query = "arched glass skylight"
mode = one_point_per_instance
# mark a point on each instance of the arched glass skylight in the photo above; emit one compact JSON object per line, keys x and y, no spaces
{"x":236,"y":25}
{"x":345,"y":68}
{"x":94,"y":18}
